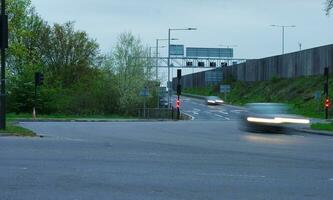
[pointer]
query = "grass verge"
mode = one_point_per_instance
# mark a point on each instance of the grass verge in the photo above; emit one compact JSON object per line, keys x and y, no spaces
{"x":323,"y":127}
{"x":13,"y":129}
{"x":13,"y":116}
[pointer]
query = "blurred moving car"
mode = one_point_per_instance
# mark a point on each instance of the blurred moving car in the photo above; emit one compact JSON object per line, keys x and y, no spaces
{"x":213,"y":100}
{"x":270,"y":117}
{"x":163,"y":103}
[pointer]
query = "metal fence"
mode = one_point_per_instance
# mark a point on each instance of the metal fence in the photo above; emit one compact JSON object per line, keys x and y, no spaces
{"x":302,"y":63}
{"x":160,"y":113}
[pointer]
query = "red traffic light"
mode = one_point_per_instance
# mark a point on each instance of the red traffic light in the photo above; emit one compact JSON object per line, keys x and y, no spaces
{"x":327,"y":103}
{"x":178,"y":103}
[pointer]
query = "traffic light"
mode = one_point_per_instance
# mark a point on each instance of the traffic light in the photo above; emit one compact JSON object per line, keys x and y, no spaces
{"x":179,"y":74}
{"x":3,"y":31}
{"x":178,"y":104}
{"x":327,"y":103}
{"x":39,"y":79}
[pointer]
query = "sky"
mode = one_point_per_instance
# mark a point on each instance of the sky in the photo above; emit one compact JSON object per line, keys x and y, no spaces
{"x":245,"y":23}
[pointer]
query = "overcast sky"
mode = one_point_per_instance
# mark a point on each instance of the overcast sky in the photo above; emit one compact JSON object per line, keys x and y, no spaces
{"x":245,"y":23}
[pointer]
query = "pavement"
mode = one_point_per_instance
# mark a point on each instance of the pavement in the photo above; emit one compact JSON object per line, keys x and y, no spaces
{"x":200,"y":159}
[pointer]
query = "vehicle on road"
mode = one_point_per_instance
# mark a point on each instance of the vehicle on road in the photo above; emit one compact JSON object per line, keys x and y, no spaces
{"x":213,"y":100}
{"x":163,"y":103}
{"x":268,"y":117}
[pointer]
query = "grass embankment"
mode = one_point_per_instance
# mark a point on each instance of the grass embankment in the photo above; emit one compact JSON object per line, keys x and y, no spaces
{"x":299,"y":93}
{"x":68,"y":117}
{"x":13,"y":129}
{"x":323,"y":127}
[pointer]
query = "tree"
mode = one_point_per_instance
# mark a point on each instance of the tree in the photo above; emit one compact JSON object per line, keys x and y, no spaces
{"x":329,"y":6}
{"x":67,"y":54}
{"x":132,"y":68}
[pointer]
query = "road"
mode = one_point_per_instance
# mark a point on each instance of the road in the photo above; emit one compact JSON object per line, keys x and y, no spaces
{"x":196,"y":160}
{"x":199,"y":110}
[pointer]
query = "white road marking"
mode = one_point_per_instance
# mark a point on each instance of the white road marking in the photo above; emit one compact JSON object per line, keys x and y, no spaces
{"x":237,"y":111}
{"x":195,"y":113}
{"x":218,"y":115}
{"x":196,"y":110}
{"x":233,"y":175}
{"x":226,"y":113}
{"x":331,"y":179}
{"x":227,"y":118}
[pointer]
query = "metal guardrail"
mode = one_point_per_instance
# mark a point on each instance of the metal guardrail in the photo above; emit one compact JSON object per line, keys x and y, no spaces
{"x":161,"y":113}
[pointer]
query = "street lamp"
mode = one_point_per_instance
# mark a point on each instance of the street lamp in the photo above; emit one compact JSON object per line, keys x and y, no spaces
{"x":283,"y":28}
{"x":169,"y":38}
{"x":157,"y":47}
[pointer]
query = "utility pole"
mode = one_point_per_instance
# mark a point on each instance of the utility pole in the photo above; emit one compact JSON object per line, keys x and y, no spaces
{"x":3,"y":46}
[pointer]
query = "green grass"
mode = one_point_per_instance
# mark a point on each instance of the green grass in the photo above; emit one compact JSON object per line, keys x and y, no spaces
{"x":323,"y":127}
{"x":12,"y":116}
{"x":296,"y":92}
{"x":12,"y":129}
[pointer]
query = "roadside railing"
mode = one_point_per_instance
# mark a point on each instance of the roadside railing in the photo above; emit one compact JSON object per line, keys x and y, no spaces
{"x":160,"y":113}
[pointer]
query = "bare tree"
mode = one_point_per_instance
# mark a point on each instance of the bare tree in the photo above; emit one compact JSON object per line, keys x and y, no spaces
{"x":328,"y":6}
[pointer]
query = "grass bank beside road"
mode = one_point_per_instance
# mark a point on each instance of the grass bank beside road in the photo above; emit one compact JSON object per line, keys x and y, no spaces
{"x":13,"y":129}
{"x":323,"y":127}
{"x":68,"y":117}
{"x":299,"y":93}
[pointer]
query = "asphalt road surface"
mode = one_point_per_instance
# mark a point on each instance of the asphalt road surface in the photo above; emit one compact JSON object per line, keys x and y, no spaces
{"x":195,"y":160}
{"x":200,"y":111}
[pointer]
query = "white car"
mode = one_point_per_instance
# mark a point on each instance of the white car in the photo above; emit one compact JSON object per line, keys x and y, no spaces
{"x":213,"y":100}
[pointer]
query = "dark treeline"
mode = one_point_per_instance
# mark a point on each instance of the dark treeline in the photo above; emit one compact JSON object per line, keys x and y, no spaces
{"x":78,"y":78}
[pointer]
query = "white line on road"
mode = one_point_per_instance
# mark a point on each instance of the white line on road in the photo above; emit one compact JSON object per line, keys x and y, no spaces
{"x":233,"y":175}
{"x":226,"y":113}
{"x":331,"y":179}
{"x":226,"y":118}
{"x":218,"y":115}
{"x":237,"y":111}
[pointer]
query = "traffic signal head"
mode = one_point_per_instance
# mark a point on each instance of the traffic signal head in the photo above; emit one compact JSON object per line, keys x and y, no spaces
{"x":39,"y":79}
{"x":178,"y":103}
{"x":327,"y":103}
{"x":179,"y":73}
{"x":326,"y":71}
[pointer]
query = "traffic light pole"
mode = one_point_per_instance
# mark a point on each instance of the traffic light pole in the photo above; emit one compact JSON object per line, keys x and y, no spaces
{"x":178,"y":108}
{"x":327,"y":100}
{"x":4,"y":45}
{"x":179,"y":92}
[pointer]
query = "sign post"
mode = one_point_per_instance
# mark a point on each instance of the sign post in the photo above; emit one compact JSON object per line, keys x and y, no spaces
{"x":225,"y":89}
{"x":144,"y":93}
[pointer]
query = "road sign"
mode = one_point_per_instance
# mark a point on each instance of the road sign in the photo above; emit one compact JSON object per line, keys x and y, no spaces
{"x":225,"y":88}
{"x":176,"y":50}
{"x":144,"y":92}
{"x":317,"y":95}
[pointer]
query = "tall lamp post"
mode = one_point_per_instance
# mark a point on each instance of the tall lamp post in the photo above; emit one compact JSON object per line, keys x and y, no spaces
{"x":3,"y":46}
{"x":283,"y":27}
{"x":169,"y":51}
{"x":157,"y":47}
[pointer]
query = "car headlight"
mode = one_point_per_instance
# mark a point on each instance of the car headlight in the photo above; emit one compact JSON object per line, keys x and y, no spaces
{"x":278,"y":120}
